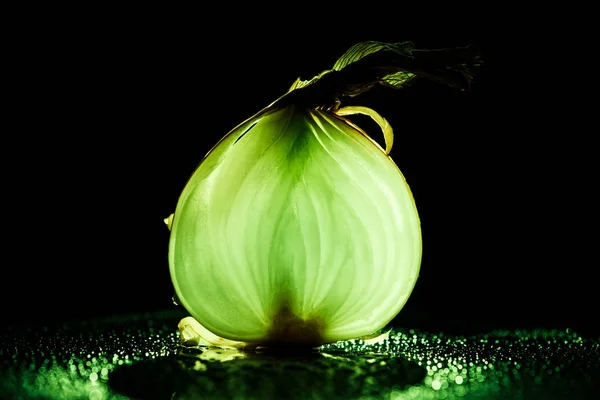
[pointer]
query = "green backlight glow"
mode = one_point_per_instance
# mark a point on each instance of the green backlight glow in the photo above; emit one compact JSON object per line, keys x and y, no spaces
{"x":140,"y":357}
{"x":296,"y":228}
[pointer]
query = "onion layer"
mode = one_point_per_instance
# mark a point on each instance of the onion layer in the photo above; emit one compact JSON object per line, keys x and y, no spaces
{"x":296,"y":228}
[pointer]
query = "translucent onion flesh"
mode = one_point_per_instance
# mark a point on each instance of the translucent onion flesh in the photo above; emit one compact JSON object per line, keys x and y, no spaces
{"x":296,"y":228}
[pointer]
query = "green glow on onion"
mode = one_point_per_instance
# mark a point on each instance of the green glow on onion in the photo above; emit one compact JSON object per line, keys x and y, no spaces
{"x":297,"y":228}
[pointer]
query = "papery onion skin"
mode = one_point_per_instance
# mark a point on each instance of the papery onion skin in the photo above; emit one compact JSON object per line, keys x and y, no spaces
{"x":295,"y":229}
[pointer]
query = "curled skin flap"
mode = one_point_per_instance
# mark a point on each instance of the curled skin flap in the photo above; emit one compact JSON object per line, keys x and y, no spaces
{"x":169,"y":221}
{"x":192,"y":333}
{"x":376,"y":337}
{"x":388,"y":132}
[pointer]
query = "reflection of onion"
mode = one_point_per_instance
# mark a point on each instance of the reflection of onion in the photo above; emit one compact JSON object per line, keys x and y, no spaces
{"x":295,"y":229}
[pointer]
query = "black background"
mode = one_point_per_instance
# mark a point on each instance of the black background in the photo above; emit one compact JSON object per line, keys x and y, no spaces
{"x":115,"y":109}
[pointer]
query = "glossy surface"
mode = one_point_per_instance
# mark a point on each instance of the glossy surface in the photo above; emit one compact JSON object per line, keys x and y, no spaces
{"x":138,"y":357}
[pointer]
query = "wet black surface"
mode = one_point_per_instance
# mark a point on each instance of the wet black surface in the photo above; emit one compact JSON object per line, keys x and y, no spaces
{"x":139,"y":357}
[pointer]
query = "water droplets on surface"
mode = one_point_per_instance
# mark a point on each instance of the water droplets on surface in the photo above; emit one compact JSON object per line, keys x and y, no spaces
{"x":141,"y":358}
